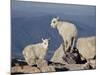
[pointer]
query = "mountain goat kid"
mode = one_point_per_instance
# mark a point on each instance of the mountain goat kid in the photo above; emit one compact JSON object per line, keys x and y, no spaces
{"x":34,"y":52}
{"x":67,"y":31}
{"x":87,"y":47}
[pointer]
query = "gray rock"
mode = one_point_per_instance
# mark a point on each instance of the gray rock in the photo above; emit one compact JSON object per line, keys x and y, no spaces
{"x":30,"y":69}
{"x":44,"y":67}
{"x":47,"y":69}
{"x":16,"y":69}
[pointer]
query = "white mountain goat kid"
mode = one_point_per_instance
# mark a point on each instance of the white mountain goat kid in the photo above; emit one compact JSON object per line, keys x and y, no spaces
{"x":87,"y":47}
{"x":34,"y":52}
{"x":67,"y":31}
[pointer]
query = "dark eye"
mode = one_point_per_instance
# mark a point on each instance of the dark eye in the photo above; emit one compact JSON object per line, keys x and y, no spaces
{"x":54,"y":22}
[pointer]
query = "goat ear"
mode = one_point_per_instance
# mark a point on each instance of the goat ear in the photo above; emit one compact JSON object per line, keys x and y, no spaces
{"x":42,"y":39}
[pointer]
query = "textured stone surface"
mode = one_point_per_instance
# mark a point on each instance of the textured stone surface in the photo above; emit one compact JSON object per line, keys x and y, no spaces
{"x":30,"y":69}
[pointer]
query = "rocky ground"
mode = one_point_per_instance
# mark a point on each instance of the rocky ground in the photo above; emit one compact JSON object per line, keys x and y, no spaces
{"x":73,"y":62}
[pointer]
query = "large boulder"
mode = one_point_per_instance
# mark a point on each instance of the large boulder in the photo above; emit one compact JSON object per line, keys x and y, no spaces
{"x":30,"y":69}
{"x":72,"y":58}
{"x":44,"y":67}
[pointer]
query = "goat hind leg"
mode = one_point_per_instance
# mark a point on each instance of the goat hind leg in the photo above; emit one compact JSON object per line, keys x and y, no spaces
{"x":72,"y":44}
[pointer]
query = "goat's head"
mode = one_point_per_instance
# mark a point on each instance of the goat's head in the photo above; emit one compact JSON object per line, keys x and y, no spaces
{"x":54,"y":22}
{"x":45,"y":42}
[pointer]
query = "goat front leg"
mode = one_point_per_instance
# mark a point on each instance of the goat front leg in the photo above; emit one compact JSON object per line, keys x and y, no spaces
{"x":67,"y":45}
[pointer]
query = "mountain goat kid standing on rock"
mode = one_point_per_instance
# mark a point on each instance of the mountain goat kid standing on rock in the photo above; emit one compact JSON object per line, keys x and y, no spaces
{"x":34,"y":52}
{"x":87,"y":49}
{"x":67,"y":31}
